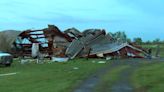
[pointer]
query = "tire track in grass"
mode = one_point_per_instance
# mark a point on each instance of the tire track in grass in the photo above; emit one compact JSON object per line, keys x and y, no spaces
{"x":124,"y":84}
{"x":119,"y":78}
{"x":110,"y":78}
{"x":89,"y":84}
{"x":121,"y":84}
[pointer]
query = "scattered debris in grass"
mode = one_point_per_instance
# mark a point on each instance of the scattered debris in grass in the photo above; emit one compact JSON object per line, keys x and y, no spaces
{"x":75,"y":68}
{"x":8,"y":74}
{"x":102,"y":62}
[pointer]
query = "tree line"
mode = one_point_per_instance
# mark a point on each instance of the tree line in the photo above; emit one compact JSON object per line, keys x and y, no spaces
{"x":139,"y":41}
{"x":121,"y":36}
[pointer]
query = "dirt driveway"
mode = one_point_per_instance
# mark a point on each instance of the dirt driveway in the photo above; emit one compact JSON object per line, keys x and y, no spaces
{"x":123,"y":84}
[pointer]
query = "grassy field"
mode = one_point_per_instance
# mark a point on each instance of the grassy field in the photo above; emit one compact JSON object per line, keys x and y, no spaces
{"x":149,"y":78}
{"x":64,"y":77}
{"x":54,"y":77}
{"x":154,"y":48}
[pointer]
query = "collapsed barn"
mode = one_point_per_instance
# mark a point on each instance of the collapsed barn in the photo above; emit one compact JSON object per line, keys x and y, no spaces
{"x":51,"y":42}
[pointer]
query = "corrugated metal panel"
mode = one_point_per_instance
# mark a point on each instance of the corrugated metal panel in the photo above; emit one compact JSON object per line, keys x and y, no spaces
{"x":74,"y":48}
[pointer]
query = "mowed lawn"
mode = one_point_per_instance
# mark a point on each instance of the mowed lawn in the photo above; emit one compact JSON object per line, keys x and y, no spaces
{"x":149,"y":78}
{"x":53,"y":77}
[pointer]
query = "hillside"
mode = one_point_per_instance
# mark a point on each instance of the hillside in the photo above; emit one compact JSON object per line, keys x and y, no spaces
{"x":6,"y":39}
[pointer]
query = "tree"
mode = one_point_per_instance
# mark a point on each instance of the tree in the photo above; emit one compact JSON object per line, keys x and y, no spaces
{"x":3,"y":43}
{"x":120,"y":36}
{"x":156,"y":41}
{"x":138,"y":40}
{"x":129,"y":40}
{"x":163,"y":42}
{"x":148,"y":42}
{"x":7,"y":37}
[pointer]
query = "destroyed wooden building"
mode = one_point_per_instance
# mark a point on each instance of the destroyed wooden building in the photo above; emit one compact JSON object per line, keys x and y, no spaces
{"x":96,"y":43}
{"x":51,"y":42}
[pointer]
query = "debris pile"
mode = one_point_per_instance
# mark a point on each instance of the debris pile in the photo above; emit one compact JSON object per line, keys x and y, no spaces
{"x":96,"y":43}
{"x":51,"y":42}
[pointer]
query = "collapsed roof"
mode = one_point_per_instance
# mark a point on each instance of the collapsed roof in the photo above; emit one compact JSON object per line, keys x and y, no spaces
{"x":96,"y":42}
{"x":73,"y":43}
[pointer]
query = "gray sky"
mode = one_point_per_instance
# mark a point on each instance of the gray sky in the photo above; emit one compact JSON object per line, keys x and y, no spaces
{"x":138,"y":18}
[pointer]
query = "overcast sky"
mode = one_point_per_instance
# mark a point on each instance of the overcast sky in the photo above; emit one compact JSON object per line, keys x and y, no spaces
{"x":138,"y":18}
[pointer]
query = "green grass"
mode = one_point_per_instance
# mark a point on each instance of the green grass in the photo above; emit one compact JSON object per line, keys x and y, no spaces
{"x":110,"y":78}
{"x":154,"y":48}
{"x":62,"y":77}
{"x":54,"y":77}
{"x":149,"y":78}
